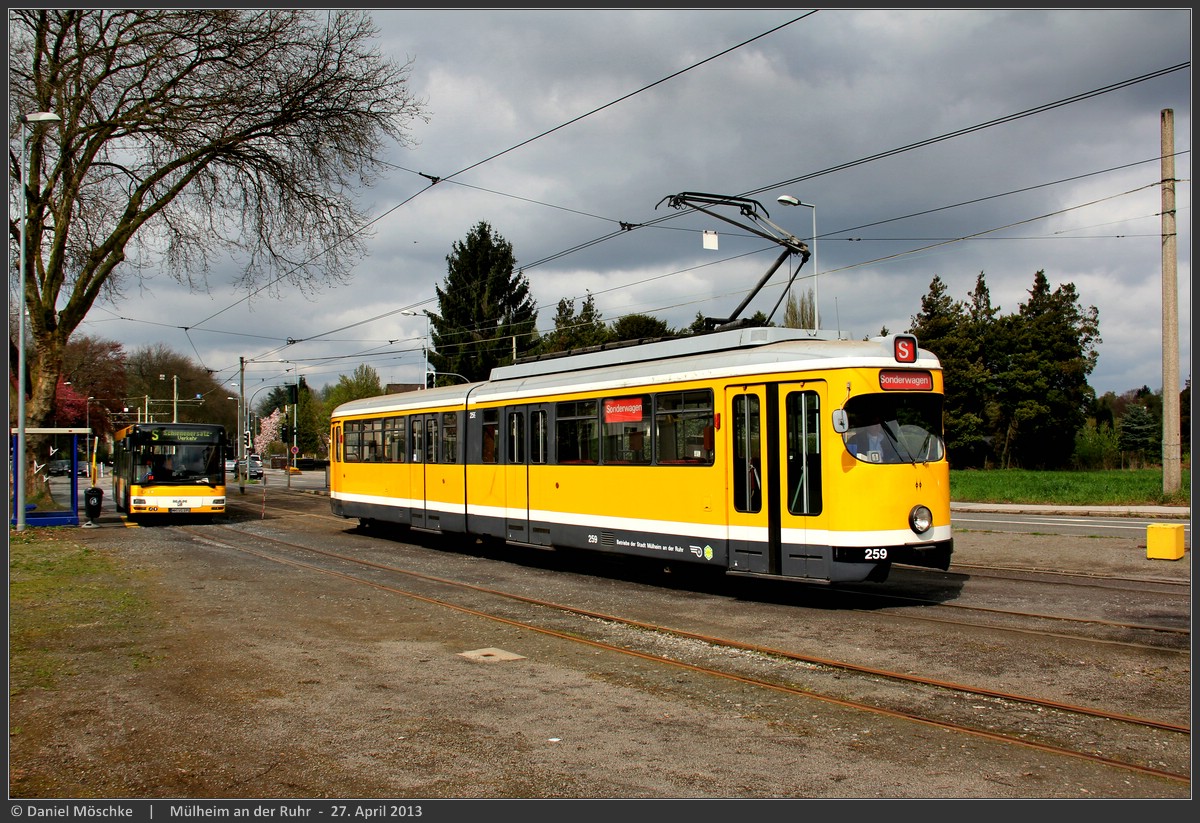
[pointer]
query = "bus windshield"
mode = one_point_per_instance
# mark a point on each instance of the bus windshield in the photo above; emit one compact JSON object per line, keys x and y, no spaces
{"x":168,"y":454}
{"x":165,"y":464}
{"x":895,"y":428}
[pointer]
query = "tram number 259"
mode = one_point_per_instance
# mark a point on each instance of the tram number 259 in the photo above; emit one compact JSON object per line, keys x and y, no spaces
{"x":875,"y":554}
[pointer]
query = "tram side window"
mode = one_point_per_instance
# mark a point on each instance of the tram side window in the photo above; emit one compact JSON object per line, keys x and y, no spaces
{"x":353,"y":434}
{"x":747,"y":454}
{"x":431,"y":438}
{"x":449,"y":437}
{"x":683,"y":423}
{"x":627,"y":429}
{"x":372,"y":441}
{"x":394,"y":431}
{"x":538,"y":437}
{"x":577,"y":432}
{"x":490,"y":434}
{"x":804,"y":453}
{"x":516,"y":438}
{"x":418,"y":439}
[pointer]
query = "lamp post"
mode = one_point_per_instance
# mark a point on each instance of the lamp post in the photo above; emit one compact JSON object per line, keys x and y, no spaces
{"x":34,"y":117}
{"x":788,"y":200}
{"x":424,"y":348}
{"x":248,"y":408}
{"x":244,"y":411}
{"x":174,"y":396}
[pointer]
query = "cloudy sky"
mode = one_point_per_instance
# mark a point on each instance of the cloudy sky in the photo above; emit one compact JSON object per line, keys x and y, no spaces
{"x":948,"y":143}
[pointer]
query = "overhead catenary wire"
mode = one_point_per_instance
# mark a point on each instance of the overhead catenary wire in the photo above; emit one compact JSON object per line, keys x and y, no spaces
{"x":626,"y":227}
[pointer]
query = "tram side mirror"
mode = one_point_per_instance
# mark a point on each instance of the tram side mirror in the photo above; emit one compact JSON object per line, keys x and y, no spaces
{"x":841,"y":423}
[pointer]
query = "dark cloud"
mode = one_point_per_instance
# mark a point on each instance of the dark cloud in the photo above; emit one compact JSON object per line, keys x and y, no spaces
{"x":820,"y":94}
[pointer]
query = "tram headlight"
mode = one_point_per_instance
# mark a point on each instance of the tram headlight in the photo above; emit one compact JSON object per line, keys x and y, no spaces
{"x":920,"y":519}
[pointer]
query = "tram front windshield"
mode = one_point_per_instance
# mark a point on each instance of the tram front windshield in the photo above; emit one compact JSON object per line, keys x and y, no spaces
{"x":895,"y":428}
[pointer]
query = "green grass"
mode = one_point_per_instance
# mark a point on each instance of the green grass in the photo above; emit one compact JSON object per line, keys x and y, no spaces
{"x":1115,"y":487}
{"x":69,"y":607}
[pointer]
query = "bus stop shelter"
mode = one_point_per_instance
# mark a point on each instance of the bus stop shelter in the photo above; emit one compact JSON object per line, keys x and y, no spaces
{"x":34,"y":517}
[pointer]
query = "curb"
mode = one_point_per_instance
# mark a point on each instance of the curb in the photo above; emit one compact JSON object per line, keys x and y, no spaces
{"x":1152,"y":512}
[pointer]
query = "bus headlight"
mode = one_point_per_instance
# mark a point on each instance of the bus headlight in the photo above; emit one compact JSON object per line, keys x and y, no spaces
{"x":920,"y":519}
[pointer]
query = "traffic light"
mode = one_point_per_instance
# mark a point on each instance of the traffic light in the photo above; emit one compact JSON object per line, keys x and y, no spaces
{"x":286,"y":434}
{"x":249,"y":440}
{"x":293,"y":393}
{"x":430,"y":379}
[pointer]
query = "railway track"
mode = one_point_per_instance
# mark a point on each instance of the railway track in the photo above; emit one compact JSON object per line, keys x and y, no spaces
{"x":1152,"y":747}
{"x":1159,"y":634}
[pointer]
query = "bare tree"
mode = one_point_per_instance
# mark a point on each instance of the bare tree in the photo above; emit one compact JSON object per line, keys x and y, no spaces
{"x":186,"y":133}
{"x":802,"y":313}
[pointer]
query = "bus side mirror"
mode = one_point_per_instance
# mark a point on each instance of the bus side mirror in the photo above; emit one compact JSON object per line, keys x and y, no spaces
{"x":841,"y":423}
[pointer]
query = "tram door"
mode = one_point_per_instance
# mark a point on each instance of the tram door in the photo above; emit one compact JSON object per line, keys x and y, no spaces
{"x":801,"y":551}
{"x":516,"y":474}
{"x":775,"y":476}
{"x":423,"y":441}
{"x":750,"y":478}
{"x":526,"y":442}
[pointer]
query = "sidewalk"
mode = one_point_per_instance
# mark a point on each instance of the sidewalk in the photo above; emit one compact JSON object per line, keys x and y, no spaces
{"x":1154,"y":512}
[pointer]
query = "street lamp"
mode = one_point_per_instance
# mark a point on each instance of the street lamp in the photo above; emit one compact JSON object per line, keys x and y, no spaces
{"x":244,"y":410}
{"x":174,"y":396}
{"x":788,"y":200}
{"x":34,"y":117}
{"x":424,"y":347}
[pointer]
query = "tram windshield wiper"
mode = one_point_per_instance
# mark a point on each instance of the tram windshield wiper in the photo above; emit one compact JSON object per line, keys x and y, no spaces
{"x":901,"y":449}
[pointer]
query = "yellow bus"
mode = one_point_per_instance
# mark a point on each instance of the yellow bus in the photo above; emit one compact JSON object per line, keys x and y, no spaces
{"x":169,"y":469}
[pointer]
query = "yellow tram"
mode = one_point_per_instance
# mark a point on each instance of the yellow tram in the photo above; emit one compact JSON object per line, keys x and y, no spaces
{"x":760,"y":451}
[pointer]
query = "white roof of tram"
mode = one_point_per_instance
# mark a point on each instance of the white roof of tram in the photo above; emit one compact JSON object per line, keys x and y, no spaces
{"x":739,"y":352}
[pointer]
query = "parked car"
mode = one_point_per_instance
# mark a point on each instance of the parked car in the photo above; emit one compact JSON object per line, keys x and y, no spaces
{"x":230,"y":465}
{"x":59,"y":468}
{"x":255,"y":467}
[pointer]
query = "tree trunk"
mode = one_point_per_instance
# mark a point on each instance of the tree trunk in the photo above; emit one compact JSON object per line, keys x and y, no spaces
{"x":39,"y":413}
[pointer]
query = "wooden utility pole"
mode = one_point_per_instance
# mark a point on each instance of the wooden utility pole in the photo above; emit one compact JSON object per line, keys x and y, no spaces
{"x":1170,"y":313}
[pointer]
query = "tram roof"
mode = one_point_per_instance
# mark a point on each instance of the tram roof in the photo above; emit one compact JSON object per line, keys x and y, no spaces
{"x":623,"y":354}
{"x":741,"y":351}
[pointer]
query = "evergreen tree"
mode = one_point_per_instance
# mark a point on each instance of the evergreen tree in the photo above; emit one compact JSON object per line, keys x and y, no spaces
{"x":1140,"y":434}
{"x":639,"y":327}
{"x":486,"y":308}
{"x":1016,"y":386}
{"x":1044,"y":389}
{"x":975,"y":409}
{"x":938,"y":318}
{"x":940,"y":327}
{"x":575,"y":331}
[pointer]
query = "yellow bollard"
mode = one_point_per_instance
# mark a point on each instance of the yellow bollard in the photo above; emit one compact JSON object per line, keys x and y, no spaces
{"x":1164,"y":542}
